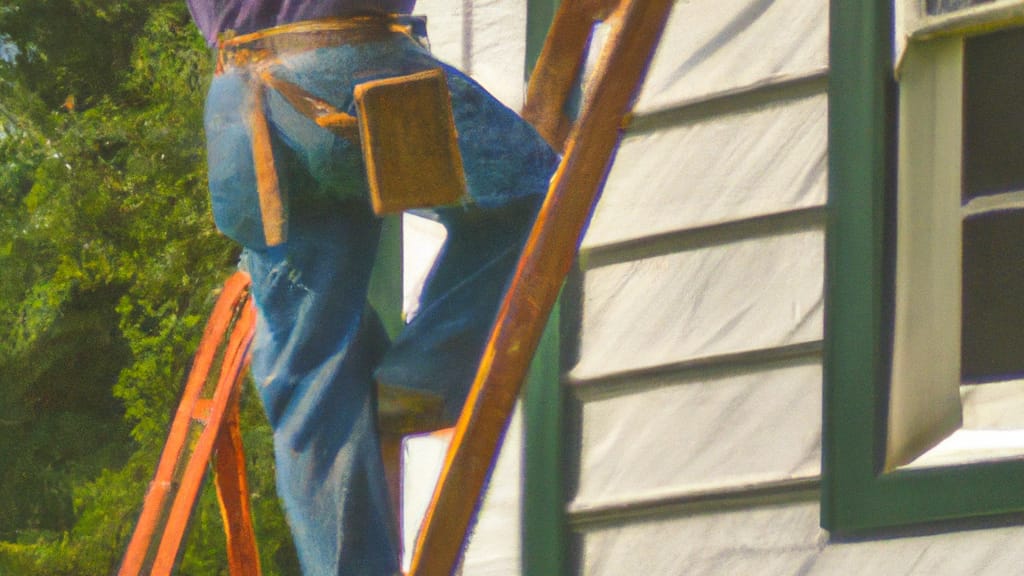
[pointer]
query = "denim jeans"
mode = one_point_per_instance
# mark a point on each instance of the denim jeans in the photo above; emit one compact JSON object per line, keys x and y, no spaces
{"x":319,"y":346}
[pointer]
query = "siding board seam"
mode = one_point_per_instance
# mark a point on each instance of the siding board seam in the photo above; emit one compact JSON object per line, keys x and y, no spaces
{"x":732,"y":101}
{"x":625,"y":511}
{"x":692,"y":371}
{"x":720,"y":234}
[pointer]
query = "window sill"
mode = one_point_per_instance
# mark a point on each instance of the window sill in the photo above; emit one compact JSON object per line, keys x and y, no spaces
{"x":967,"y":446}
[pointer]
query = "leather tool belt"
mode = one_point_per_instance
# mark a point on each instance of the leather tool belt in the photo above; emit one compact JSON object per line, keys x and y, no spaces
{"x":423,"y":121}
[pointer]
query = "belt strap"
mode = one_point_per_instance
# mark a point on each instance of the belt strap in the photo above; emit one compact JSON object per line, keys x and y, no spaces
{"x":314,"y":108}
{"x":265,"y":46}
{"x":272,"y":204}
{"x":243,"y":50}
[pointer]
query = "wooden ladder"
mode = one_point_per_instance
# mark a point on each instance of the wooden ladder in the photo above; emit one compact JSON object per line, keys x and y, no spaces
{"x":185,"y":458}
{"x":589,"y":145}
{"x":634,"y":29}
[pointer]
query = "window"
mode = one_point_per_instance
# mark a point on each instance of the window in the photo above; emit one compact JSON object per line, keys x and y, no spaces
{"x":942,"y":6}
{"x":959,"y":238}
{"x":925,"y":319}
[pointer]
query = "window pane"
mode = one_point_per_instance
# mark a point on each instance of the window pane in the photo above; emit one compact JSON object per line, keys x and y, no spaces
{"x":993,"y":114}
{"x":941,"y":6}
{"x":993,"y":296}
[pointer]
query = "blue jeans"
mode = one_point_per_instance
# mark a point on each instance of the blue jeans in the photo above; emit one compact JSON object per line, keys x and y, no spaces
{"x":319,"y":346}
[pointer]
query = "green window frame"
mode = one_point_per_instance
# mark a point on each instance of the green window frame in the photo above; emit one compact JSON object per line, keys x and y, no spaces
{"x":857,"y":496}
{"x":545,"y":532}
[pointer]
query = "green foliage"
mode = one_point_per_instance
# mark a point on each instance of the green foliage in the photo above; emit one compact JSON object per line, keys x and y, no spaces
{"x":110,"y":267}
{"x":78,"y":48}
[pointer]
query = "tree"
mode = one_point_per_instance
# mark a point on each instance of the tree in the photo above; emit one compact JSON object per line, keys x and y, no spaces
{"x":110,"y":265}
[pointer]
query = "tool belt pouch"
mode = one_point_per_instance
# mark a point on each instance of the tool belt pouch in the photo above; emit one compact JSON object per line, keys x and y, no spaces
{"x":409,"y":142}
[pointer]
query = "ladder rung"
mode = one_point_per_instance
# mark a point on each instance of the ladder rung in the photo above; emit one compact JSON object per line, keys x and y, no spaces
{"x":201,"y":410}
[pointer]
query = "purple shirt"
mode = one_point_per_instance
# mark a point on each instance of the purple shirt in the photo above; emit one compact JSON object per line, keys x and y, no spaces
{"x":244,"y":16}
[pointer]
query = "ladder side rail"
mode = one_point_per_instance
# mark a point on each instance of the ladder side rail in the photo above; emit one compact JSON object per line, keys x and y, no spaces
{"x":547,"y":259}
{"x":558,"y":68}
{"x":235,"y":360}
{"x":232,"y":485}
{"x":235,"y":290}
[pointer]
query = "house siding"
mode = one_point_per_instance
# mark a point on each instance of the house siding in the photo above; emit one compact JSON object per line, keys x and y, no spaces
{"x":697,"y":386}
{"x":694,"y":375}
{"x":486,"y":39}
{"x":696,"y":393}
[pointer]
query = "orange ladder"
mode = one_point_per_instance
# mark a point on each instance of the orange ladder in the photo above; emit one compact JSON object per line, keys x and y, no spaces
{"x":216,"y":413}
{"x":634,"y":28}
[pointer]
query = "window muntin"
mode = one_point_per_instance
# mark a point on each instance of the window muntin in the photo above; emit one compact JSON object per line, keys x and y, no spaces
{"x":993,"y":214}
{"x":923,"y":19}
{"x":943,"y":6}
{"x":917,"y":20}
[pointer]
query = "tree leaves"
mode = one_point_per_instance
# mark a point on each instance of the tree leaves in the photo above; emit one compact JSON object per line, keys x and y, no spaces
{"x":110,"y":264}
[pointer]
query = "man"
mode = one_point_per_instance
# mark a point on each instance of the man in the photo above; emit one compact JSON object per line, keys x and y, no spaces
{"x":294,"y":194}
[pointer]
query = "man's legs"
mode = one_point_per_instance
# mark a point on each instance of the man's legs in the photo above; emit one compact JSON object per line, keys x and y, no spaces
{"x":439,"y":351}
{"x":316,"y":347}
{"x":314,"y":354}
{"x":507,"y":167}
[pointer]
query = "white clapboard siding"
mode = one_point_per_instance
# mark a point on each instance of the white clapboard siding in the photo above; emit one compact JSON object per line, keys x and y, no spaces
{"x":498,"y":48}
{"x":494,"y":548}
{"x":697,"y":377}
{"x":714,"y":46}
{"x":754,"y":293}
{"x":484,"y":38}
{"x":696,"y":389}
{"x":779,"y":536}
{"x":446,"y":27}
{"x":692,"y":433}
{"x":487,"y":39}
{"x":992,"y":551}
{"x":769,"y":539}
{"x":754,"y":161}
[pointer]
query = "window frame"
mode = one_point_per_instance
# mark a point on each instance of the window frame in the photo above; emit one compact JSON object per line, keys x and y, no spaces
{"x":545,"y":530}
{"x":857,"y":497}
